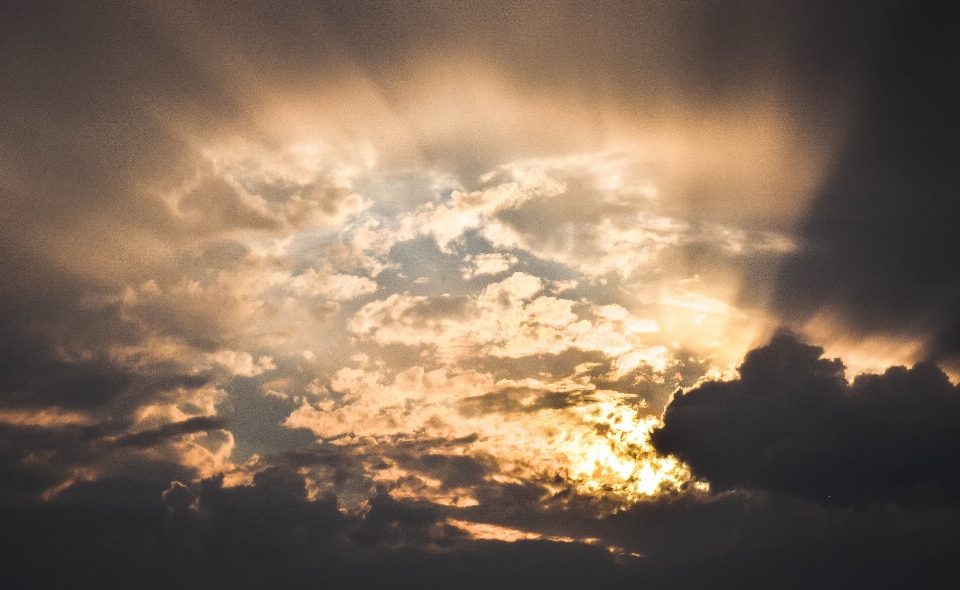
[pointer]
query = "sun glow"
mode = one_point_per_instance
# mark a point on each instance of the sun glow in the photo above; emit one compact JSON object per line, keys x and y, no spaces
{"x":620,"y":461}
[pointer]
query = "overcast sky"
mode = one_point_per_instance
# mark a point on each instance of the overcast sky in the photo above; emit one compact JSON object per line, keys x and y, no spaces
{"x":518,"y":294}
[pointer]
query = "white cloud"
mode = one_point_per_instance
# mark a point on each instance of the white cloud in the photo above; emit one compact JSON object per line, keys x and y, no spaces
{"x":589,"y":212}
{"x":333,"y":287}
{"x":244,"y":185}
{"x":507,"y":319}
{"x":375,"y":405}
{"x":487,"y":264}
{"x":447,"y":222}
{"x":242,"y":363}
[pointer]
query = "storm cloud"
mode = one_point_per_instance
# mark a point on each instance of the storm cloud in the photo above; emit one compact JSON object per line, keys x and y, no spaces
{"x":791,"y":423}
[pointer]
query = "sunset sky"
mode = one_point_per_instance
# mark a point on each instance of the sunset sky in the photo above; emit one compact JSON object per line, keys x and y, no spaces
{"x":520,"y":294}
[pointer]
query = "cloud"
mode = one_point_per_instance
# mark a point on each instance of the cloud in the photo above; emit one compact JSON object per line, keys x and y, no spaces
{"x":178,"y":497}
{"x":492,"y":263}
{"x":535,"y":207}
{"x":747,"y":538}
{"x":226,"y":353}
{"x":242,"y":363}
{"x":533,"y":430}
{"x":269,"y":530}
{"x":878,"y":244}
{"x":792,"y":423}
{"x":518,"y":399}
{"x":335,"y":288}
{"x":246,"y":186}
{"x":152,"y":437}
{"x":508,"y":319}
{"x":466,"y":211}
{"x":375,"y":405}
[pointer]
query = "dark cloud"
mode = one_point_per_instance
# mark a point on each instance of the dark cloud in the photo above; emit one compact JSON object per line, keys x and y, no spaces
{"x":271,"y":533}
{"x":178,"y":497}
{"x":393,"y":522}
{"x":44,"y":461}
{"x":519,"y":399}
{"x":880,"y":242}
{"x":738,"y":540}
{"x":454,"y":471}
{"x":65,"y":410}
{"x":276,"y":503}
{"x":268,"y":532}
{"x":173,"y":429}
{"x":68,"y":400}
{"x":792,"y":424}
{"x":85,"y":140}
{"x":557,"y":366}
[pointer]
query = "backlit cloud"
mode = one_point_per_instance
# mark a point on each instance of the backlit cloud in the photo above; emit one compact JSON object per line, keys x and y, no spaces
{"x":373,"y":294}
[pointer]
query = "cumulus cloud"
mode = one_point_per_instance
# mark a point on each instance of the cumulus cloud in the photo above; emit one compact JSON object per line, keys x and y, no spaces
{"x":375,"y":405}
{"x":335,"y":288}
{"x":792,"y":423}
{"x":492,"y":263}
{"x":536,"y":207}
{"x":508,"y":319}
{"x":249,"y":187}
{"x":242,"y":363}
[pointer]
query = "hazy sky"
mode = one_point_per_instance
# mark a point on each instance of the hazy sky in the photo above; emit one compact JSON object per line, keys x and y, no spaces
{"x":518,"y":294}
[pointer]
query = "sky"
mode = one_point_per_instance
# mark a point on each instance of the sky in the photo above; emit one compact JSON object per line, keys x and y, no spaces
{"x":526,"y":294}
